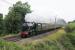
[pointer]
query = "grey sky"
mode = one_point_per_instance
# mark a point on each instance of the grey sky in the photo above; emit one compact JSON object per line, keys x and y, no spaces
{"x":62,"y":8}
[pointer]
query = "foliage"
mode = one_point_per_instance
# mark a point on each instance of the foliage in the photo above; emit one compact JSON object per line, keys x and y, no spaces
{"x":66,"y":43}
{"x":71,"y":36}
{"x":70,"y":27}
{"x":15,"y":18}
{"x":1,"y":23}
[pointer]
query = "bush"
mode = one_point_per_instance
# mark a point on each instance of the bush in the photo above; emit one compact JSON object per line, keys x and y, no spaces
{"x":70,"y":27}
{"x":71,"y":36}
{"x":66,"y":43}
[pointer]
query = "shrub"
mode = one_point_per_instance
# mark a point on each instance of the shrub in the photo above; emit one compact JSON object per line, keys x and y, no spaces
{"x":66,"y":43}
{"x":71,"y":36}
{"x":70,"y":27}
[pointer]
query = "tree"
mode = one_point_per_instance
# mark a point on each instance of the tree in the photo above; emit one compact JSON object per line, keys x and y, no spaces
{"x":1,"y":23}
{"x":15,"y":17}
{"x":21,"y":8}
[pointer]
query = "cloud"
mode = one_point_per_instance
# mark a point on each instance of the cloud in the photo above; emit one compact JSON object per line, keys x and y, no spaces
{"x":62,"y":8}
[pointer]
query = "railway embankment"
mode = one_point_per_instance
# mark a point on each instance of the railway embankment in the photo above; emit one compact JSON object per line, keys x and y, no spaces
{"x":56,"y":41}
{"x":59,"y":40}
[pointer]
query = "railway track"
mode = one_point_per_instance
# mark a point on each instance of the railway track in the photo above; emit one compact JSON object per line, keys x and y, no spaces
{"x":17,"y":38}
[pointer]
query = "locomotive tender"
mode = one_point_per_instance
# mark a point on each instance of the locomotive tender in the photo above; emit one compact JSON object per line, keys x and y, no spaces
{"x":35,"y":24}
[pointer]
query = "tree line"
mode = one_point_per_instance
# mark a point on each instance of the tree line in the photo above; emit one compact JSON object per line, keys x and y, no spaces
{"x":12,"y":23}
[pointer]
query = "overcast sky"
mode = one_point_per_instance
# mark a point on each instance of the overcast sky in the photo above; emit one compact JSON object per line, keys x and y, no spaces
{"x":62,"y":8}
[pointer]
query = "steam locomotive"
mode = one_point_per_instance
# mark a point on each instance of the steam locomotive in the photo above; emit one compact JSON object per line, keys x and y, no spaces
{"x":37,"y":26}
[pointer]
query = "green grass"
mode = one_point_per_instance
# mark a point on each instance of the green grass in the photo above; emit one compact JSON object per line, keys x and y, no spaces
{"x":4,"y":45}
{"x":55,"y":41}
{"x":42,"y":45}
{"x":55,"y":36}
{"x":49,"y":42}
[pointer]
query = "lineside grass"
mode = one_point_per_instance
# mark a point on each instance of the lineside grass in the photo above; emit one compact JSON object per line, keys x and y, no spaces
{"x":57,"y":35}
{"x":55,"y":41}
{"x":4,"y":45}
{"x":46,"y":43}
